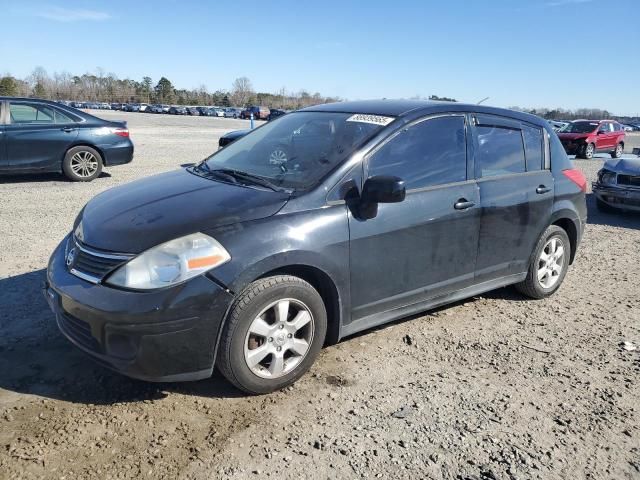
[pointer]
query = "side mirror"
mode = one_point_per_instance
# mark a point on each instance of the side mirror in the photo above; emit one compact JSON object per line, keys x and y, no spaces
{"x":383,"y":189}
{"x":379,"y":189}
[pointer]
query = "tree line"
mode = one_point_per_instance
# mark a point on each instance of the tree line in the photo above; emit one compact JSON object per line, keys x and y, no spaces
{"x":107,"y":87}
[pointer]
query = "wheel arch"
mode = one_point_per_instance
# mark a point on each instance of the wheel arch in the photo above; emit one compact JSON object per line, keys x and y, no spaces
{"x":325,"y":286}
{"x":85,"y":144}
{"x":569,"y":223}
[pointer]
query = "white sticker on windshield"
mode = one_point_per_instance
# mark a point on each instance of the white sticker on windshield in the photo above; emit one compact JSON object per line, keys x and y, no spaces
{"x":375,"y":119}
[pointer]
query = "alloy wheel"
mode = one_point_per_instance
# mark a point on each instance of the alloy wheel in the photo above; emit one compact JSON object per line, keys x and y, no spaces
{"x":551,"y":262}
{"x":84,"y":164}
{"x":618,"y":150}
{"x":279,"y":338}
{"x":588,"y":152}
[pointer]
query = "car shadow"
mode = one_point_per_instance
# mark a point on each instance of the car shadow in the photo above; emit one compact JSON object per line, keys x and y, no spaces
{"x":41,"y":177}
{"x":36,"y":359}
{"x":615,"y":218}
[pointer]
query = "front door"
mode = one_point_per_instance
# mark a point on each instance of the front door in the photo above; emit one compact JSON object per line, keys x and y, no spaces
{"x":606,"y":137}
{"x":427,"y":244}
{"x":516,"y":193}
{"x":37,"y":136}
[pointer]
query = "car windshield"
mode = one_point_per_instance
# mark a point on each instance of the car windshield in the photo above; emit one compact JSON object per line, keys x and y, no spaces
{"x":580,"y":127}
{"x":298,"y":150}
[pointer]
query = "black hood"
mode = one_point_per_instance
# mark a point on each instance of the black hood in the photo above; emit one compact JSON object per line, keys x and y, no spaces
{"x":137,"y":216}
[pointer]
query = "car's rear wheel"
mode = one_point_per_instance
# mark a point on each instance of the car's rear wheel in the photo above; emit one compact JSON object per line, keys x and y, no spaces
{"x":589,"y":150}
{"x":617,"y":153}
{"x":548,"y":265}
{"x":82,"y":164}
{"x":272,"y":335}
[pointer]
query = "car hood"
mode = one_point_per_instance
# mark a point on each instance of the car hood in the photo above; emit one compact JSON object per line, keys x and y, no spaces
{"x":137,"y":216}
{"x":624,"y":166}
{"x":572,"y":136}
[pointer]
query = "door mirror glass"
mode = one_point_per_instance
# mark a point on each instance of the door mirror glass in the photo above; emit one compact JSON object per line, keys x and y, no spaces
{"x":383,"y":189}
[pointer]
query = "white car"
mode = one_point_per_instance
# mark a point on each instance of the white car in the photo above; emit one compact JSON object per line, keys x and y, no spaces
{"x":219,"y":112}
{"x":143,"y":107}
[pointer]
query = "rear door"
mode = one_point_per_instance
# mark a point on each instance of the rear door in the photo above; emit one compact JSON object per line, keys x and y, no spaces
{"x":37,"y":135}
{"x":516,"y":194}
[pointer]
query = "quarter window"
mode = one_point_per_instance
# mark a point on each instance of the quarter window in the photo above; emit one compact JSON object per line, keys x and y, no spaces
{"x":533,"y":145}
{"x":63,"y":118}
{"x":500,"y":151}
{"x":432,"y":152}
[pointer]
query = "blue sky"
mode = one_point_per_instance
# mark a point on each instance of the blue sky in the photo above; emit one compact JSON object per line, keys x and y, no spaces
{"x":531,"y":53}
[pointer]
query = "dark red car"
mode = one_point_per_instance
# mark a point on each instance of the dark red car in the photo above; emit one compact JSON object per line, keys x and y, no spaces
{"x":583,"y":138}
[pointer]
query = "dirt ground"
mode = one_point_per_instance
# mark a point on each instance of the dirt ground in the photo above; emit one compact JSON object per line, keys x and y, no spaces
{"x":495,"y":387}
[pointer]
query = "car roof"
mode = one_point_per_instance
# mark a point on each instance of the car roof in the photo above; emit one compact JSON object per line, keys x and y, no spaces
{"x":402,"y":107}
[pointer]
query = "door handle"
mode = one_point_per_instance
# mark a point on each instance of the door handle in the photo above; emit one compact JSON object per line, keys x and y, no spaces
{"x":463,"y":204}
{"x":68,"y":129}
{"x":542,"y":189}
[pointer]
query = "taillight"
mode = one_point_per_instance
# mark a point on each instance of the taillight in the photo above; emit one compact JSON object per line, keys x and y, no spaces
{"x":577,"y":177}
{"x":121,"y":132}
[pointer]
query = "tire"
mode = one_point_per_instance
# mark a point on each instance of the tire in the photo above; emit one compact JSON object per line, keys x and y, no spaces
{"x":531,"y":286}
{"x":589,"y":150}
{"x":617,"y":153}
{"x":82,"y":164}
{"x":604,"y":207}
{"x":256,"y":310}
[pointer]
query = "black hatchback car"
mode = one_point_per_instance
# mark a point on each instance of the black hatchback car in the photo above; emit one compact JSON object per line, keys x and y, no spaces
{"x":382,"y":209}
{"x":39,"y":136}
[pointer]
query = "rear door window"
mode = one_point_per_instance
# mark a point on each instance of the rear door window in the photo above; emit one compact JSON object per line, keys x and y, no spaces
{"x":534,"y":146}
{"x":431,"y":152}
{"x":21,"y":113}
{"x":500,"y":151}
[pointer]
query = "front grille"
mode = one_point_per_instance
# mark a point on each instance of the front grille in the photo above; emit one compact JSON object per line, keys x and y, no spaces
{"x":79,"y":331}
{"x":630,"y":180}
{"x":93,"y":265}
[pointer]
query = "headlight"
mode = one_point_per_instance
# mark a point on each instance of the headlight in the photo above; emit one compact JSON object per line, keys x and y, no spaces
{"x":607,"y":178}
{"x":170,"y":263}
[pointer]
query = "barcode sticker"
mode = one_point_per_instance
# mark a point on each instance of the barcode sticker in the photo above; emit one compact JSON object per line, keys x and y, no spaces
{"x":375,"y":119}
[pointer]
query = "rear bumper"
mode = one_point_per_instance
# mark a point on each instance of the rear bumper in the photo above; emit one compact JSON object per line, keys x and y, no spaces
{"x":165,"y":335}
{"x":117,"y":154}
{"x":627,"y":198}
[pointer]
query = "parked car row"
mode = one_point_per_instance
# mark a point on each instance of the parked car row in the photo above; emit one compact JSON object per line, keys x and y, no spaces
{"x":258,"y":112}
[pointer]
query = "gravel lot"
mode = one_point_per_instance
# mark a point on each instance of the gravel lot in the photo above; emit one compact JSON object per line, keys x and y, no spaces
{"x":496,"y":387}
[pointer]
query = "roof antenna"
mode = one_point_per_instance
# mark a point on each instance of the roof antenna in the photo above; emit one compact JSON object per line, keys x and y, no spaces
{"x":484,"y":99}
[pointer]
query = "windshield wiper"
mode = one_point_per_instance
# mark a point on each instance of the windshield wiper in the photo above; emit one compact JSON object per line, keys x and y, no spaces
{"x":204,"y":170}
{"x":246,"y":176}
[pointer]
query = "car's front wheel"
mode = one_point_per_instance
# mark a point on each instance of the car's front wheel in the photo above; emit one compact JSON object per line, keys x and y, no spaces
{"x":548,"y":265}
{"x":82,"y":164}
{"x":617,"y":153}
{"x":588,"y":151}
{"x":273,"y":334}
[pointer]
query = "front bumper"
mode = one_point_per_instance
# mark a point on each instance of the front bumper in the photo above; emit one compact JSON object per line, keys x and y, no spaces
{"x":574,"y":148}
{"x":164,"y":335}
{"x":618,"y":196}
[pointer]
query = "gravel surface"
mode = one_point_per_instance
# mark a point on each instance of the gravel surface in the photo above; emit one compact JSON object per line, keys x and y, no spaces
{"x":495,"y":387}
